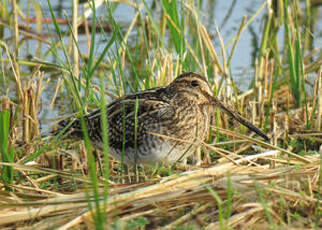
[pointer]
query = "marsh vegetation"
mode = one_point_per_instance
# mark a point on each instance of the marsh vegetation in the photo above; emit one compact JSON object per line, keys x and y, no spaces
{"x":263,"y":58}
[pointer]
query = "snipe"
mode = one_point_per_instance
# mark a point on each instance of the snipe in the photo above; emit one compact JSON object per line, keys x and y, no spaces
{"x":172,"y":121}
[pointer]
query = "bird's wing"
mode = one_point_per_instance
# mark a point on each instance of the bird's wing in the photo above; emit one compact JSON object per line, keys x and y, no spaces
{"x":130,"y":120}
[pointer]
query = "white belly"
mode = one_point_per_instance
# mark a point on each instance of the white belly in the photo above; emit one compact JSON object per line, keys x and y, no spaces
{"x":166,"y":152}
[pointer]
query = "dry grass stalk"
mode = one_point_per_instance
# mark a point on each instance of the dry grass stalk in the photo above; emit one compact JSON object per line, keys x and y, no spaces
{"x":187,"y":188}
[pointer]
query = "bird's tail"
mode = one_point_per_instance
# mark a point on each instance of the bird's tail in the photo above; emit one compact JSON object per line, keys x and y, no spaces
{"x":70,"y":128}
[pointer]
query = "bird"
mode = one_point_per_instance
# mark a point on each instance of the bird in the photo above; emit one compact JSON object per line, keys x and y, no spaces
{"x":159,"y":125}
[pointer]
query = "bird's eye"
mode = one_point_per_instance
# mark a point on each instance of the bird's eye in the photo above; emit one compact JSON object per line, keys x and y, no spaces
{"x":194,"y":83}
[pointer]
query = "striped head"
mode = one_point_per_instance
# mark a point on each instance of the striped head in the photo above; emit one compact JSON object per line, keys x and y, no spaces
{"x":193,"y":88}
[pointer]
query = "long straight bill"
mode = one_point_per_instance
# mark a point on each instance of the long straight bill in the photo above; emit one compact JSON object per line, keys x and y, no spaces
{"x":239,"y":118}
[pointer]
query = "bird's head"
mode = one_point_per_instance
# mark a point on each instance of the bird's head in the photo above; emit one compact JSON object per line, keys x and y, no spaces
{"x":193,"y":87}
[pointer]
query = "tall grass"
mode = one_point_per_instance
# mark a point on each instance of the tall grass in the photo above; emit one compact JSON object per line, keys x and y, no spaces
{"x":88,"y":72}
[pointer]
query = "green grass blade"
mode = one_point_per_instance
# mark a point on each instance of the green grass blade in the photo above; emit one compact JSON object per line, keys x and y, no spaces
{"x":104,"y":125}
{"x":7,"y":152}
{"x":136,"y":124}
{"x":220,"y":208}
{"x":265,"y":205}
{"x":176,"y":27}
